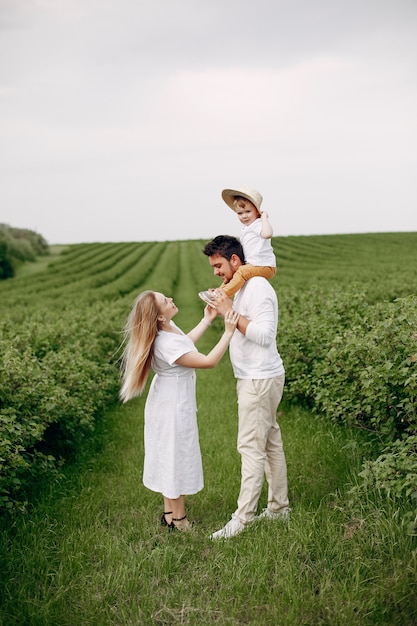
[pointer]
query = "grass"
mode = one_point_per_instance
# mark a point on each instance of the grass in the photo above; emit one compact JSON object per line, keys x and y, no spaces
{"x":92,"y":552}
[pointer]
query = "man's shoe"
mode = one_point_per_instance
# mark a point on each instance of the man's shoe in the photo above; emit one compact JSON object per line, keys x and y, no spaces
{"x":207,"y":298}
{"x":283,"y":514}
{"x":232,"y":528}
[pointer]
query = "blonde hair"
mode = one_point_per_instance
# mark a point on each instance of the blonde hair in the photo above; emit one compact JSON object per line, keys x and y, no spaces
{"x":139,"y":336}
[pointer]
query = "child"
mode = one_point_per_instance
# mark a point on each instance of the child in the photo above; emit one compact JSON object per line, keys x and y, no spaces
{"x":255,"y":239}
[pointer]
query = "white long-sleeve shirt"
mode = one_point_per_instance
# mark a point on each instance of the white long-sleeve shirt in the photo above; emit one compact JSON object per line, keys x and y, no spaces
{"x":258,"y":251}
{"x":255,"y":355}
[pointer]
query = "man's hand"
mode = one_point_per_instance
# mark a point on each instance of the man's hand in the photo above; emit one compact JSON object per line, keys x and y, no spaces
{"x":222,"y":302}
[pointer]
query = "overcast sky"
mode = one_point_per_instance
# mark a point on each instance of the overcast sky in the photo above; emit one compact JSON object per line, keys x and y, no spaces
{"x":122,"y":120}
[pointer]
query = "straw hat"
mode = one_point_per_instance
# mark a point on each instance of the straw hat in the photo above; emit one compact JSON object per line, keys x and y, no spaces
{"x":254,"y":196}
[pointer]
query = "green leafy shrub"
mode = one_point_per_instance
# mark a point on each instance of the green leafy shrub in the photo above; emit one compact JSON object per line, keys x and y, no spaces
{"x":353,"y":362}
{"x":6,"y":266}
{"x":55,"y":377}
{"x":309,"y":322}
{"x":369,"y":375}
{"x":356,"y":364}
{"x":394,"y":471}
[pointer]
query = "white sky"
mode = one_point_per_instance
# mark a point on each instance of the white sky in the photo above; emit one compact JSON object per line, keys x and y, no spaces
{"x":122,"y":120}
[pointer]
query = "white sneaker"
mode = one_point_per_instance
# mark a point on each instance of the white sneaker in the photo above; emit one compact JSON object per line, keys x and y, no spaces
{"x":207,"y":297}
{"x":283,"y":515}
{"x":232,"y":528}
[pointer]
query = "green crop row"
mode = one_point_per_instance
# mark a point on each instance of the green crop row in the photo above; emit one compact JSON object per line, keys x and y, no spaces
{"x":383,"y":266}
{"x":355,"y":363}
{"x":352,"y":362}
{"x":80,"y":274}
{"x":60,"y":346}
{"x":57,"y":373}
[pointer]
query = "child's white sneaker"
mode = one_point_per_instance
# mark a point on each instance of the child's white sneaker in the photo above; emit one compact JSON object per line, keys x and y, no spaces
{"x":207,"y":298}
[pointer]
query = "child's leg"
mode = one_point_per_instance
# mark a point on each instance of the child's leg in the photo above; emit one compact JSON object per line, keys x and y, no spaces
{"x":236,"y":282}
{"x":243,"y":273}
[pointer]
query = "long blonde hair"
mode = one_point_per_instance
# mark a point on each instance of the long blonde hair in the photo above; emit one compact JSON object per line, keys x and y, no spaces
{"x":139,"y":336}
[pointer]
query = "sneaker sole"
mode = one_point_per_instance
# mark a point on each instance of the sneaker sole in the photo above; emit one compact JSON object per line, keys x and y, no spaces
{"x":208,"y":301}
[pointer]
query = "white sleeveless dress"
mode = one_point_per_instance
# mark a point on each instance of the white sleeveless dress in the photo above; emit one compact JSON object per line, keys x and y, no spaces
{"x":173,"y":464}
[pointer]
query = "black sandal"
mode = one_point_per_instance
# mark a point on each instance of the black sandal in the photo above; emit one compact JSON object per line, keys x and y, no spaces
{"x":163,"y":518}
{"x":186,"y":525}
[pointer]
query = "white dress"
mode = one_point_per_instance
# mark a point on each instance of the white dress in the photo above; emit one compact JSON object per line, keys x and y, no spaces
{"x":172,"y":463}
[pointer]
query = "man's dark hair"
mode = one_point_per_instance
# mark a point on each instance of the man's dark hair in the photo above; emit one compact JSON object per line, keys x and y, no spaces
{"x":226,"y":246}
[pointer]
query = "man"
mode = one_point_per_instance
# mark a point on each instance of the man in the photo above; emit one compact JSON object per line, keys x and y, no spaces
{"x":260,"y":375}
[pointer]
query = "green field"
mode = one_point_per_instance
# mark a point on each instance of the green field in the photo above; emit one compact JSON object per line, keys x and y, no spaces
{"x":81,"y":542}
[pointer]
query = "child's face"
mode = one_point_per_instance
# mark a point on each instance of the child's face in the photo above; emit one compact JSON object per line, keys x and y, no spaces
{"x":246,"y":211}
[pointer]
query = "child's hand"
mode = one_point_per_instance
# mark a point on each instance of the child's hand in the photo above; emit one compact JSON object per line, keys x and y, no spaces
{"x":230,"y":320}
{"x":263,"y":214}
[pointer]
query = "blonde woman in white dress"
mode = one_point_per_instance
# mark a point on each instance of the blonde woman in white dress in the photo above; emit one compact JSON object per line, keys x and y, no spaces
{"x":172,"y":464}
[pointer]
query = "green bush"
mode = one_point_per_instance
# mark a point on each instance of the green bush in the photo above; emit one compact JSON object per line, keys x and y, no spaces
{"x":353,"y":362}
{"x":56,"y":375}
{"x":369,"y":375}
{"x":356,"y":364}
{"x":6,"y":266}
{"x":394,"y":471}
{"x":309,"y":322}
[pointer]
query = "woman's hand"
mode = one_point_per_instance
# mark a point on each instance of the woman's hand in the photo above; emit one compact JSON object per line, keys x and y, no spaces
{"x":210,"y":314}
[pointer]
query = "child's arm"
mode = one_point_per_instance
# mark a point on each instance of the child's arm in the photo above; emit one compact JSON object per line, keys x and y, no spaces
{"x":266,"y":231}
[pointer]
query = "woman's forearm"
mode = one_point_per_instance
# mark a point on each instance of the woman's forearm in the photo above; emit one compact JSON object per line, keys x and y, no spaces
{"x":199,"y":330}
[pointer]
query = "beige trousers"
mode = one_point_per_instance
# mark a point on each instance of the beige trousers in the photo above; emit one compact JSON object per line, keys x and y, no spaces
{"x":260,"y":446}
{"x":244,"y":273}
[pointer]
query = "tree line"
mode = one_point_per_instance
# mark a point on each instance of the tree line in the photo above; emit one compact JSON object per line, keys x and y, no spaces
{"x":18,"y":245}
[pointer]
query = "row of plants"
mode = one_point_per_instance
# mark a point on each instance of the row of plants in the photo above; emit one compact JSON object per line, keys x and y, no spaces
{"x":114,"y":271}
{"x":59,"y":367}
{"x":355,"y":364}
{"x":74,"y":271}
{"x":57,"y":374}
{"x":383,"y":266}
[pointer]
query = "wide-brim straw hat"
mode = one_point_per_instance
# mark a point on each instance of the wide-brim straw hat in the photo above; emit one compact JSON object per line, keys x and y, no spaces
{"x":254,"y":196}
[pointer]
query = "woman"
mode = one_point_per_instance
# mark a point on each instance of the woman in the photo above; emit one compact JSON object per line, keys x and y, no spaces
{"x":172,"y":464}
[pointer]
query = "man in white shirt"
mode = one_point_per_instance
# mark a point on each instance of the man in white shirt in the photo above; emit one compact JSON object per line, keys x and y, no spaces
{"x":260,"y":374}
